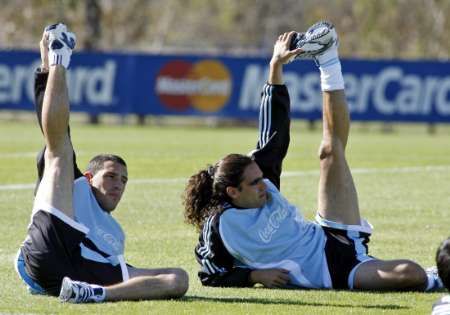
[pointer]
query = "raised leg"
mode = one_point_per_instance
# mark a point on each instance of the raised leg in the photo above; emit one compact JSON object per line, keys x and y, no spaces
{"x":57,"y":182}
{"x":337,"y":197}
{"x":56,"y":186}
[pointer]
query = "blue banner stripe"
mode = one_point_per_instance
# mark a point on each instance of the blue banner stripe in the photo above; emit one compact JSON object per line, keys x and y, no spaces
{"x":230,"y":87}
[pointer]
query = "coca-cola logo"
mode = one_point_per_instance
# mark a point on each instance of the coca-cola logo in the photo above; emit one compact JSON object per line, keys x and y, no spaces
{"x":204,"y":85}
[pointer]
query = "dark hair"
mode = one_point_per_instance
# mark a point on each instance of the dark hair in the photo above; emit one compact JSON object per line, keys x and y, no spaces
{"x":205,"y":191}
{"x":443,"y":262}
{"x":96,"y":163}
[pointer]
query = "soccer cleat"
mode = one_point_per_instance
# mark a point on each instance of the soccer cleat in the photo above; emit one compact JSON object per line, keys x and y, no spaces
{"x":80,"y":292}
{"x":432,"y":273}
{"x":317,"y":40}
{"x":60,"y":44}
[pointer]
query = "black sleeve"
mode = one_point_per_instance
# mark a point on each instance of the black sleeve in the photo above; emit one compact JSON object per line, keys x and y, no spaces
{"x":40,"y":83}
{"x":274,"y":125}
{"x":217,"y":264}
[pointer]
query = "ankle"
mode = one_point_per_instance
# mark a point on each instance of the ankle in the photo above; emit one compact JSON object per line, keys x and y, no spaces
{"x":99,"y":293}
{"x":331,"y":78}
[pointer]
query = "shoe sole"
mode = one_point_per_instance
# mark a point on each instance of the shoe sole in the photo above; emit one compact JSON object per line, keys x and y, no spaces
{"x":66,"y":290}
{"x":319,"y":30}
{"x":318,"y":34}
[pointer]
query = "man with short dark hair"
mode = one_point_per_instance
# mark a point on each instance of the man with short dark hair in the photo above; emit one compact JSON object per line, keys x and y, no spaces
{"x":74,"y":247}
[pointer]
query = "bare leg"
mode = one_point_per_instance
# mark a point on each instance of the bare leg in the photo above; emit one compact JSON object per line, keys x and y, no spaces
{"x":337,"y":197}
{"x":150,"y":284}
{"x":338,"y":201}
{"x":57,"y":182}
{"x":390,"y":275}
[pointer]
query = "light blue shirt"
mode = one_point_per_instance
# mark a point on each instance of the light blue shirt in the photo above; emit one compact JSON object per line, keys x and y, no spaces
{"x":277,"y":236}
{"x":98,"y":225}
{"x":104,"y":231}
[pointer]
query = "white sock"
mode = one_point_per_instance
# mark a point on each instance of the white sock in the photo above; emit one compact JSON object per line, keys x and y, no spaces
{"x":327,"y":57}
{"x":331,"y":78}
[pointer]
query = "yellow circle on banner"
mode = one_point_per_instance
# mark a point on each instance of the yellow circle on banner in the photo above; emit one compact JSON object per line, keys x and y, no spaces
{"x":211,"y":84}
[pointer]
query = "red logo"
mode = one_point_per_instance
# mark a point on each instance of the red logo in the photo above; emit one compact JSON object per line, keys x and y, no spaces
{"x":204,"y":85}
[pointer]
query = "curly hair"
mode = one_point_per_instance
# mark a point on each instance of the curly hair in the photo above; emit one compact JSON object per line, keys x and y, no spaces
{"x":205,"y":192}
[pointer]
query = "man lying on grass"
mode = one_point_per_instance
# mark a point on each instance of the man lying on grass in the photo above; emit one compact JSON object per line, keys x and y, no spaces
{"x":251,"y":234}
{"x":74,"y":246}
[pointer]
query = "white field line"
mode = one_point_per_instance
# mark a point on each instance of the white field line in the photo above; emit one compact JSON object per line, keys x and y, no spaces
{"x":18,"y":155}
{"x":4,"y":155}
{"x":157,"y":181}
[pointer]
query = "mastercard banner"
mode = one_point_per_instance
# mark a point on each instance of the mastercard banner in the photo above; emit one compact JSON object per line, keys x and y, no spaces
{"x":205,"y":85}
{"x":191,"y":85}
{"x":230,"y":87}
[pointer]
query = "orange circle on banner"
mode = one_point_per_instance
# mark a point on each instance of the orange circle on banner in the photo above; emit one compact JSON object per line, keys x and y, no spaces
{"x":213,"y":85}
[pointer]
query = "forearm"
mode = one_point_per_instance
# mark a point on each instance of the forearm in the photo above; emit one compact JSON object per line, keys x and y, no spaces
{"x":275,"y":72}
{"x":236,"y":277}
{"x":270,"y":278}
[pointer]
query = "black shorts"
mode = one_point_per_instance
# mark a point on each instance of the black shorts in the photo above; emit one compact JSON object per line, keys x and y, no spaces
{"x":52,"y":251}
{"x":345,"y":250}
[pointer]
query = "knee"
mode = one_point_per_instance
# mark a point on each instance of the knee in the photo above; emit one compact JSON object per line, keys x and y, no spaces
{"x":178,"y":282}
{"x":411,"y":274}
{"x":330,"y":149}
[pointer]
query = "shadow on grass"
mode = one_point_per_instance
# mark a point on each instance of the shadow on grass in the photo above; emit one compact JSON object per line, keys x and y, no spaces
{"x":194,"y":298}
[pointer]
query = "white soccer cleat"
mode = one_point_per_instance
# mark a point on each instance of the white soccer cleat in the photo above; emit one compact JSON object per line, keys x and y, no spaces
{"x":316,"y":41}
{"x":60,"y":44}
{"x":80,"y":292}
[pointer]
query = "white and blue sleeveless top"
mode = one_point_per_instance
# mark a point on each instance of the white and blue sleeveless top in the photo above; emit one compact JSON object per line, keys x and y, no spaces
{"x":99,"y":226}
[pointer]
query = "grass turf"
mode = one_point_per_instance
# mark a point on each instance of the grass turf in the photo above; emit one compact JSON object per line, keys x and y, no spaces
{"x":403,"y":180}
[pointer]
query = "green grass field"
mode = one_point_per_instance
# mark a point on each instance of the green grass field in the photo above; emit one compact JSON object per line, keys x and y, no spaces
{"x":403,"y":180}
